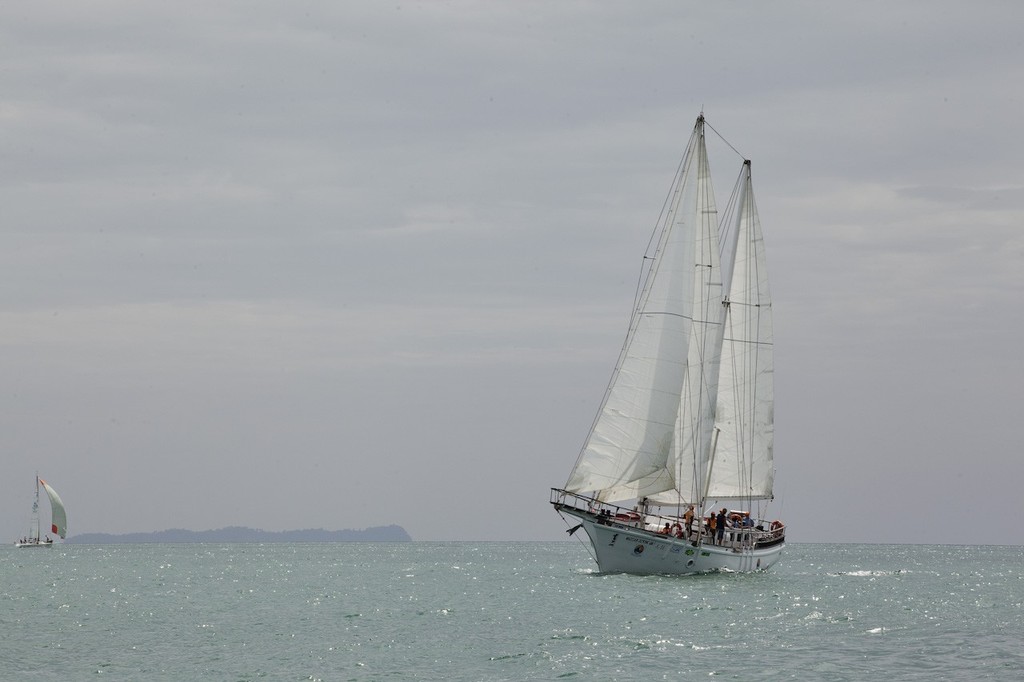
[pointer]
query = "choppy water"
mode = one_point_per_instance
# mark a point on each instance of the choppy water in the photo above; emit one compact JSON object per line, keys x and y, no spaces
{"x":504,"y":611}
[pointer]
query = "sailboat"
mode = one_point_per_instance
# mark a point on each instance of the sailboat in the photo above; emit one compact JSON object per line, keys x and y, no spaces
{"x":58,"y":519}
{"x":676,"y":474}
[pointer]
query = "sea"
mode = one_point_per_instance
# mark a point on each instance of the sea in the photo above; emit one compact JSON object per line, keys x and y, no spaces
{"x":504,"y":611}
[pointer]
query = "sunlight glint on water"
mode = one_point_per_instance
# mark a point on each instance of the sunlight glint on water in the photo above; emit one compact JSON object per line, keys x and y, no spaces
{"x":504,"y":611}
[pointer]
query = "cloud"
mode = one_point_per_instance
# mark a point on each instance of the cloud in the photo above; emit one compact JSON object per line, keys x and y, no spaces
{"x":400,"y":242}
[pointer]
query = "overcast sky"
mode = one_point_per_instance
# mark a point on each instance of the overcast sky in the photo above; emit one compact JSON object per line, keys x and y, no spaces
{"x":345,"y":264}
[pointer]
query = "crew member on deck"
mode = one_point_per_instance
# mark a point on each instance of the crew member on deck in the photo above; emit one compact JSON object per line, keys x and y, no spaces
{"x":688,"y":521}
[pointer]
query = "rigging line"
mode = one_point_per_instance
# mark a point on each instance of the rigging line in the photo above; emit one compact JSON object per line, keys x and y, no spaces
{"x":666,"y":313}
{"x":748,"y":342}
{"x":586,"y":545}
{"x":665,"y":217}
{"x":729,"y":144}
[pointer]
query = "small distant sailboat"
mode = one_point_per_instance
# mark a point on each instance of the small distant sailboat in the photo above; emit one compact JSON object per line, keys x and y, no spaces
{"x":58,"y":519}
{"x":686,"y":425}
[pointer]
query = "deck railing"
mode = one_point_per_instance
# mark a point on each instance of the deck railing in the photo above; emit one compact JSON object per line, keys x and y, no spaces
{"x":762,"y":534}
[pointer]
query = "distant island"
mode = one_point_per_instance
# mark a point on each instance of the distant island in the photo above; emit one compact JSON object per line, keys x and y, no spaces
{"x":241,"y":534}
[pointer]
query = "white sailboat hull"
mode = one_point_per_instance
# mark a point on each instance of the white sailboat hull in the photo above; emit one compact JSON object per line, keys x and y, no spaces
{"x":621,"y":549}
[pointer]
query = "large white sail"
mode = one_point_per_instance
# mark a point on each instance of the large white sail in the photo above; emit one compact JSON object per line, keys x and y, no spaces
{"x":689,"y":457}
{"x":743,"y":467}
{"x":639,"y":446}
{"x":58,"y":518}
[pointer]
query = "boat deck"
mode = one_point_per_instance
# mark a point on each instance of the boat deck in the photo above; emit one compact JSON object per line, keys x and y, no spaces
{"x":761,"y":535}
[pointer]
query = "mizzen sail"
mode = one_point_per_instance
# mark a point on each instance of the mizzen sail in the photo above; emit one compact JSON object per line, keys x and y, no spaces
{"x":744,"y":467}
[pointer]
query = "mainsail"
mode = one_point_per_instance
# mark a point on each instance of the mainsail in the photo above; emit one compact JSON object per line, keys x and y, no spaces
{"x":688,"y":413}
{"x":58,"y":518}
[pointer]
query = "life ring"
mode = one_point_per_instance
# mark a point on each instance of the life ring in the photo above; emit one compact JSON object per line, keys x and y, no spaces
{"x":776,"y":524}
